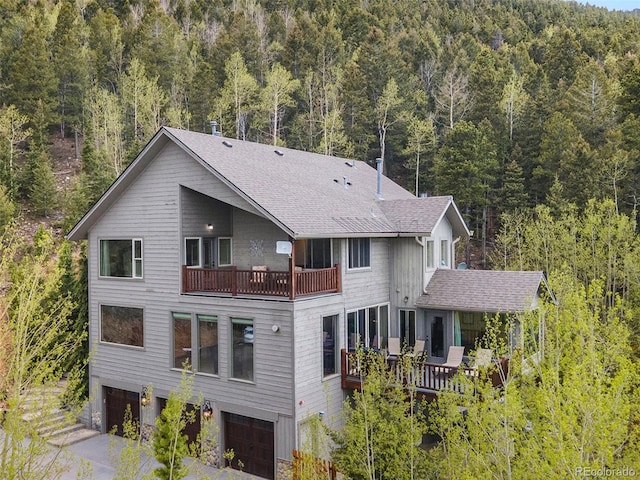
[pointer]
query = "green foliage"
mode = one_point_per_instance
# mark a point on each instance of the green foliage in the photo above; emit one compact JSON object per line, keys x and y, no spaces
{"x":569,"y":401}
{"x":35,"y":315}
{"x":170,"y":445}
{"x":381,"y":428}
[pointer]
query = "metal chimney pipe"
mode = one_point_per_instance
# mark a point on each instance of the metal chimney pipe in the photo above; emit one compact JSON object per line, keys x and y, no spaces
{"x":214,"y":130}
{"x":379,"y":169}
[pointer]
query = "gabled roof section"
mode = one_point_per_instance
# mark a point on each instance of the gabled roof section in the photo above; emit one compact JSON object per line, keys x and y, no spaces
{"x":483,"y":291}
{"x":307,"y":195}
{"x":421,"y":216}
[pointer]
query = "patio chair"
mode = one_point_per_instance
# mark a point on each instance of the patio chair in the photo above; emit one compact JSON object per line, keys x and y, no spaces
{"x":418,"y":349}
{"x":483,"y":358}
{"x":454,"y":359}
{"x":393,"y":346}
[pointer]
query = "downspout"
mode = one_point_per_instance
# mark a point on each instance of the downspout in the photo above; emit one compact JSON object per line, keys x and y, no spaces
{"x":453,"y":251}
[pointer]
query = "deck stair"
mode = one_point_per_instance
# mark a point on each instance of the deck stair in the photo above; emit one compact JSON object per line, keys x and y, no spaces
{"x":54,"y":423}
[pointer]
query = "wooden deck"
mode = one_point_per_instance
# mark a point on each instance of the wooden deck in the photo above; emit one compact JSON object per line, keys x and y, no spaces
{"x":428,"y":378}
{"x":265,"y":283}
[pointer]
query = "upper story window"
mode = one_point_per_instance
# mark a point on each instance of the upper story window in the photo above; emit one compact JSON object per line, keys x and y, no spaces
{"x":444,"y":253}
{"x":313,"y":253}
{"x":242,"y":348}
{"x":182,"y":340}
{"x":429,"y":252}
{"x":121,"y":258}
{"x":224,"y":252}
{"x":359,"y":252}
{"x":208,"y":344}
{"x":121,"y":325}
{"x":368,"y":327}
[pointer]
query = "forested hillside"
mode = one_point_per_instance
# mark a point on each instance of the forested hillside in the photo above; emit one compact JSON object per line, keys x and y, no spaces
{"x":504,"y":104}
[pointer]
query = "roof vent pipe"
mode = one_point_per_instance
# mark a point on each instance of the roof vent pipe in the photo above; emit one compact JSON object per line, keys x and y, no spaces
{"x":214,"y":129}
{"x":379,"y":169}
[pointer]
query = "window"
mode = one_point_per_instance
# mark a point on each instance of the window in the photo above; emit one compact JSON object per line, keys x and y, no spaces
{"x":121,"y":258}
{"x":329,"y":345}
{"x":368,"y":327}
{"x":192,"y":248}
{"x":181,"y":339}
{"x":313,"y":253}
{"x":429,"y":263}
{"x":242,"y":348}
{"x":122,"y":325}
{"x":224,"y":252}
{"x":208,"y":344}
{"x":205,"y":252}
{"x":407,"y":327}
{"x":359,"y":252}
{"x":444,"y":253}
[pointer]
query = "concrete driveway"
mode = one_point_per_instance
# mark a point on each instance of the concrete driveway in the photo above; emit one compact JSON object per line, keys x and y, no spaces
{"x":94,"y":458}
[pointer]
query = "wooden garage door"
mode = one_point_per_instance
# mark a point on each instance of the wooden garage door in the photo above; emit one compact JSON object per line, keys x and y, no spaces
{"x":116,"y":402}
{"x":252,"y":442}
{"x":191,"y":430}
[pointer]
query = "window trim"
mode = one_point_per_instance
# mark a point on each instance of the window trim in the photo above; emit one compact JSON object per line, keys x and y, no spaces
{"x":124,"y":345}
{"x":134,"y":259}
{"x":349,"y":256}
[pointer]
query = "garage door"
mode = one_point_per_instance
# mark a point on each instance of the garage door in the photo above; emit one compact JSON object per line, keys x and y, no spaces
{"x":191,"y":430}
{"x":116,"y":402}
{"x":252,"y":442}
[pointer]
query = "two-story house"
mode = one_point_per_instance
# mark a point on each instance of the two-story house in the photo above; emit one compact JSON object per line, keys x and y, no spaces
{"x":259,"y":267}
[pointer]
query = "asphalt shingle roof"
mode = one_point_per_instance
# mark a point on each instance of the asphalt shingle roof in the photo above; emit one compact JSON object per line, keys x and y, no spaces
{"x":313,"y":194}
{"x":482,"y":290}
{"x":308,"y":195}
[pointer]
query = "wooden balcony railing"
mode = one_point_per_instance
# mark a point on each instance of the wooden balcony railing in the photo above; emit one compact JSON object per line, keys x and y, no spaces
{"x":266,"y":283}
{"x":428,"y":378}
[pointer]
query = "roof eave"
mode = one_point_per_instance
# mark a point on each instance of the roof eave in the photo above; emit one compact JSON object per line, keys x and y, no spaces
{"x":82,"y":227}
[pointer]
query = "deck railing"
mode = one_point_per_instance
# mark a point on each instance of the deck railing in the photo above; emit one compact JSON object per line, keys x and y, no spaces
{"x":267,"y":283}
{"x":427,"y":377}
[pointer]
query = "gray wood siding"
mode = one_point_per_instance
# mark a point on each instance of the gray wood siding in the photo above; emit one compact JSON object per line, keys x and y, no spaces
{"x":150,"y":210}
{"x":254,"y":242}
{"x":316,"y":392}
{"x":406,"y":272}
{"x":199,"y":210}
{"x":367,"y":286}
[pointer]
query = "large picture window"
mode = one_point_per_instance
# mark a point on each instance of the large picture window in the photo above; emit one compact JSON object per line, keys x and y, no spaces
{"x":242,"y":348}
{"x":368,"y":327}
{"x":359,"y":252}
{"x":208,"y":344}
{"x":181,"y":339}
{"x":122,"y":325}
{"x":121,"y":258}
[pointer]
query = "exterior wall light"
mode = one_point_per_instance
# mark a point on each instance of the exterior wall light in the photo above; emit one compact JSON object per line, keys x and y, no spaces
{"x":207,"y":411}
{"x":144,"y":397}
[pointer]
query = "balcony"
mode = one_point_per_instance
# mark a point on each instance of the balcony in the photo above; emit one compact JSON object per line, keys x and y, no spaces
{"x":286,"y":284}
{"x":428,"y":378}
